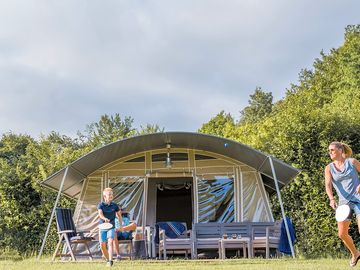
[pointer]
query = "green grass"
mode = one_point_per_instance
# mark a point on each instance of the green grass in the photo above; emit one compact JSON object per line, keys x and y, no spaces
{"x":229,"y":264}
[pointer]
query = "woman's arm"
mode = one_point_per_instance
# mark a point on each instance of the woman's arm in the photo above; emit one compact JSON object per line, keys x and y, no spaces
{"x":356,"y":164}
{"x":328,"y":187}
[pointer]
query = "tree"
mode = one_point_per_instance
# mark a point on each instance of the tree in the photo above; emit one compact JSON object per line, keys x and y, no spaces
{"x":218,"y":124}
{"x":108,"y":129}
{"x":260,"y":105}
{"x":149,"y":129}
{"x":323,"y":107}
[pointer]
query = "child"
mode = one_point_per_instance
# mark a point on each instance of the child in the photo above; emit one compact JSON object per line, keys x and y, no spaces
{"x":108,"y":210}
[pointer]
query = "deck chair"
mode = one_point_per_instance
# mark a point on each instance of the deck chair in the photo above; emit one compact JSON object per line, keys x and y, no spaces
{"x":68,"y":236}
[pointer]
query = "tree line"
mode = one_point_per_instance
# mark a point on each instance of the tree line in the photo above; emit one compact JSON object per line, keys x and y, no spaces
{"x":323,"y":106}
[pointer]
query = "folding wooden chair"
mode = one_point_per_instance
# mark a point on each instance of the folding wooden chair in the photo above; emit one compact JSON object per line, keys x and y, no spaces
{"x":68,"y":236}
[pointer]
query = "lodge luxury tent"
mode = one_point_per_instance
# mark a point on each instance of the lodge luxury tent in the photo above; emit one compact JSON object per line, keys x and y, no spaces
{"x":174,"y":176}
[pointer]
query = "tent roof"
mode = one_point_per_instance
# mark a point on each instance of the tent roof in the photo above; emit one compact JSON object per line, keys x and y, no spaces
{"x":96,"y":159}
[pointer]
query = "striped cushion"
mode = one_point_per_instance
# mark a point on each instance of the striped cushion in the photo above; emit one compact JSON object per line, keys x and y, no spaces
{"x":65,"y":221}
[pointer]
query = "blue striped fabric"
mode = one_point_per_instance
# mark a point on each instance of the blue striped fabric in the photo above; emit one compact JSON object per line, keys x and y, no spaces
{"x":172,"y":229}
{"x":65,"y":221}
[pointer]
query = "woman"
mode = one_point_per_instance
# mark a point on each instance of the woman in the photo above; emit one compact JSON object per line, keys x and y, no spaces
{"x":342,"y":174}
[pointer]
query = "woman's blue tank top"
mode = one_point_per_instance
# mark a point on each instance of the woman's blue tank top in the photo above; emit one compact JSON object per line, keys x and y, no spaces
{"x":345,"y":181}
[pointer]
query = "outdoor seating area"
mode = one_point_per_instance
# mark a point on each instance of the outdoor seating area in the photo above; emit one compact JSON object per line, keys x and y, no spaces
{"x":244,"y":237}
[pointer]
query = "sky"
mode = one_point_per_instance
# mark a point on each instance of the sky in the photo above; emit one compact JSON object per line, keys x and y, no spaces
{"x":173,"y":63}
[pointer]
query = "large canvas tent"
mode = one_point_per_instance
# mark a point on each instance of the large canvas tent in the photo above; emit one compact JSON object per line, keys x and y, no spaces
{"x":177,"y":176}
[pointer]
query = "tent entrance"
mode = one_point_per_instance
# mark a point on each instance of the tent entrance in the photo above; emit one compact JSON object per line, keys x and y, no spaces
{"x":174,"y":200}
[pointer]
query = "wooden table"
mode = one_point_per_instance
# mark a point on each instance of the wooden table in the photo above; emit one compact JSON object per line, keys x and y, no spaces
{"x":235,"y":243}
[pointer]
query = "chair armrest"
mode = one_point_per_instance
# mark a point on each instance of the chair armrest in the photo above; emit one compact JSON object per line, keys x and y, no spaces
{"x":66,"y":231}
{"x":81,"y":233}
{"x":162,"y":235}
{"x":148,"y":232}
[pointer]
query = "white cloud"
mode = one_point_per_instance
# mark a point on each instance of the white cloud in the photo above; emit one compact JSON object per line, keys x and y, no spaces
{"x":174,"y":63}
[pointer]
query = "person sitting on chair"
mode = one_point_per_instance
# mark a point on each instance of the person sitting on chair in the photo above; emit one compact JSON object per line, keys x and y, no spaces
{"x":125,"y":233}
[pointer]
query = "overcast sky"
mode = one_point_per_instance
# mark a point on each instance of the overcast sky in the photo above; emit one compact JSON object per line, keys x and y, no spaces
{"x":177,"y":63}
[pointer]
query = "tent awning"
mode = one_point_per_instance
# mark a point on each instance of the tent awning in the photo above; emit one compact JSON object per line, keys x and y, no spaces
{"x":85,"y":165}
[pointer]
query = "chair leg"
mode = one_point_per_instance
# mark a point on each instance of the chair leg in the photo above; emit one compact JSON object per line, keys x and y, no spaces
{"x":57,"y":247}
{"x":131,"y":250}
{"x":88,"y":249}
{"x":69,"y":247}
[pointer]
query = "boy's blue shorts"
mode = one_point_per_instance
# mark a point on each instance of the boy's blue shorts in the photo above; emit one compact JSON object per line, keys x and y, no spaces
{"x":106,"y":234}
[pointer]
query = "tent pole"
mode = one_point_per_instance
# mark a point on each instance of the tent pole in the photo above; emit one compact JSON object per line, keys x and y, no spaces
{"x":53,"y":213}
{"x":146,"y":190}
{"x":282,"y":207}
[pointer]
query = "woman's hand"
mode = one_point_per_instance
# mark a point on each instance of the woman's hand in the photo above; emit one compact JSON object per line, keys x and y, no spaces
{"x":358,"y":189}
{"x":333,"y":204}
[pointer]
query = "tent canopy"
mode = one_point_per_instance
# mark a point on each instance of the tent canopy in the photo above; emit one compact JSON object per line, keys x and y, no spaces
{"x":87,"y":164}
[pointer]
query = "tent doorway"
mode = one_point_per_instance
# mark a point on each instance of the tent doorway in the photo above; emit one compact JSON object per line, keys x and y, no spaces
{"x":174,"y":200}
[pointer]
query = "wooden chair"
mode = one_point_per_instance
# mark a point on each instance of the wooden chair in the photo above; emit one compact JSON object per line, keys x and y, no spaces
{"x":206,"y":236}
{"x":129,"y":247}
{"x":131,"y":228}
{"x":183,"y":243}
{"x":266,"y":237}
{"x":68,"y":236}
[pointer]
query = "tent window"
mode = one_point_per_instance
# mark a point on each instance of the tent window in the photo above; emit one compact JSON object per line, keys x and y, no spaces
{"x":128,"y":193}
{"x":137,"y":159}
{"x":202,"y":157}
{"x":216,"y":199}
{"x":174,"y":156}
{"x":255,"y":206}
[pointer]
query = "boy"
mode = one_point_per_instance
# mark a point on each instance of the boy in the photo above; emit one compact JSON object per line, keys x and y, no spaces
{"x":108,"y":210}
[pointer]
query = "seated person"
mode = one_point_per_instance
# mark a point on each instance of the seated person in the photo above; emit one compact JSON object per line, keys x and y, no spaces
{"x":123,"y":232}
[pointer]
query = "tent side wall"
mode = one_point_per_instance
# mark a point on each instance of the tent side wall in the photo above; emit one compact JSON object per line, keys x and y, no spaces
{"x":227,"y":189}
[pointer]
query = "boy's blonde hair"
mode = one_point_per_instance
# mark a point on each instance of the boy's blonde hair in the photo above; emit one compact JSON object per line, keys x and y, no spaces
{"x":108,"y":189}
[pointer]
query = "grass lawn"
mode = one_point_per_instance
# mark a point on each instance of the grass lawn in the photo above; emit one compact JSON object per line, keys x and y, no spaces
{"x":229,"y":264}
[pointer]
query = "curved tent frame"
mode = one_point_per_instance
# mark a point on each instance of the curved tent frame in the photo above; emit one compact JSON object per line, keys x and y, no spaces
{"x":85,"y":165}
